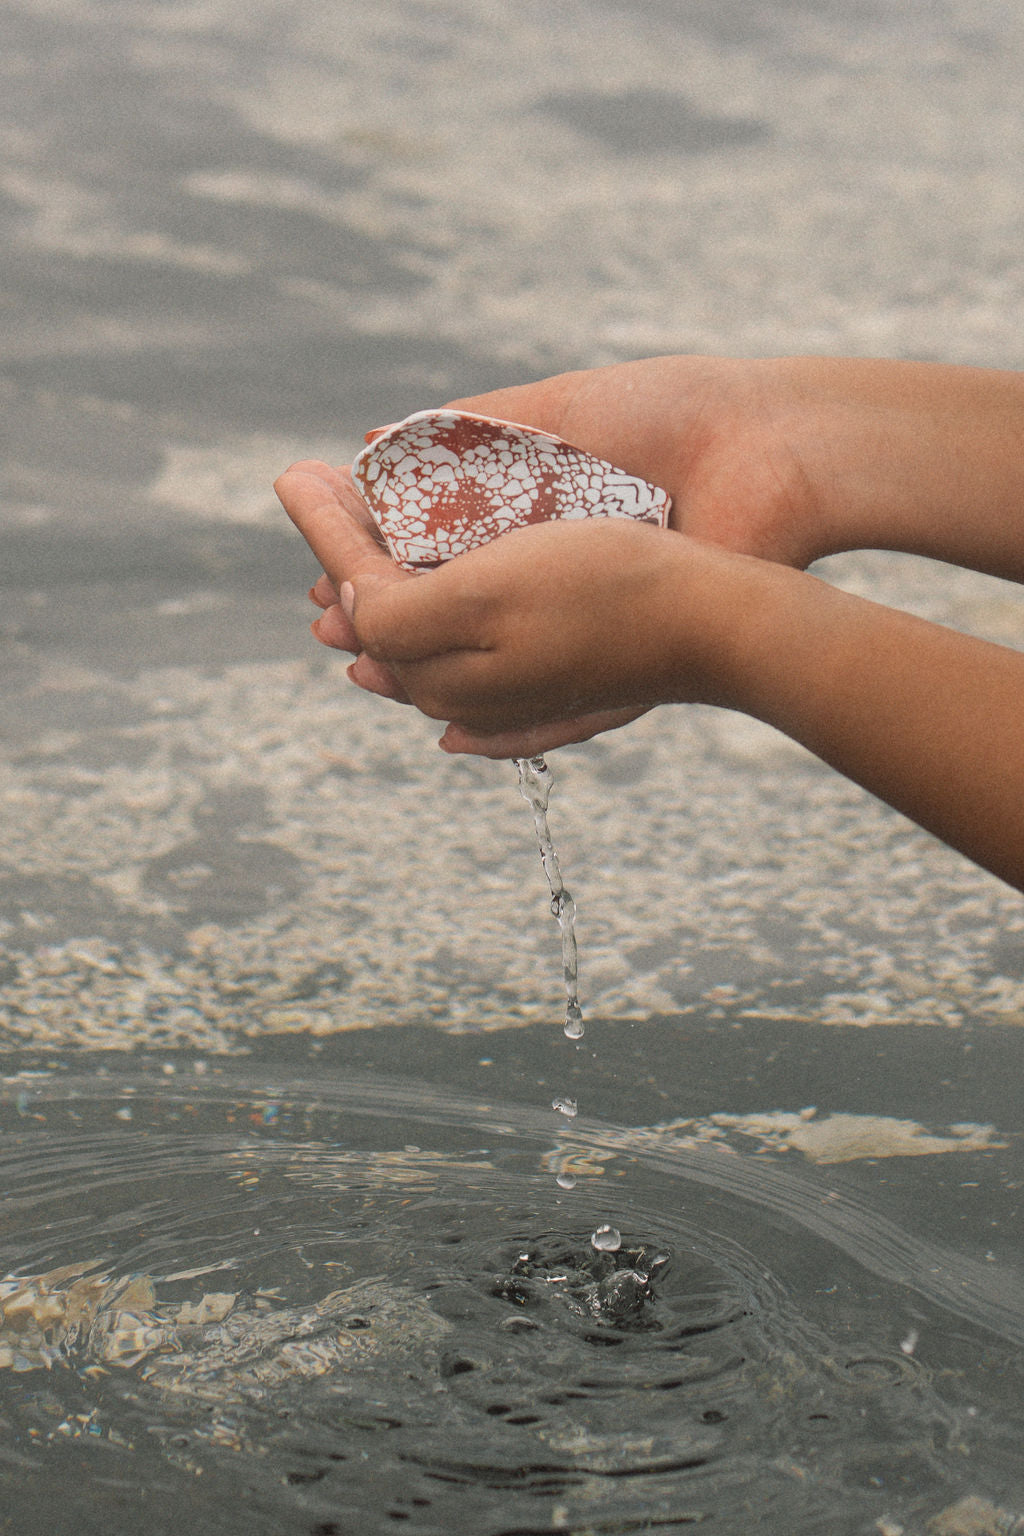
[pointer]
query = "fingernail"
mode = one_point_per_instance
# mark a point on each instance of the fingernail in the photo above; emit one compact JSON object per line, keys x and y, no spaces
{"x":347,"y":598}
{"x":352,"y":673}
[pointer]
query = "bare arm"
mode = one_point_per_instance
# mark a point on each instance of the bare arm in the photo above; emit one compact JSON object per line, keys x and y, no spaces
{"x":928,"y":719}
{"x":556,"y":632}
{"x":919,"y":457}
{"x":796,"y":458}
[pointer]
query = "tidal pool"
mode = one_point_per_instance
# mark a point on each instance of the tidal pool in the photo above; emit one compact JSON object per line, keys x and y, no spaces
{"x":323,"y":1306}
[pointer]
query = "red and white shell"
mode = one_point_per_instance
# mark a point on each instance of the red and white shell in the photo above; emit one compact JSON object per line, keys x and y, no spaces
{"x":443,"y":482}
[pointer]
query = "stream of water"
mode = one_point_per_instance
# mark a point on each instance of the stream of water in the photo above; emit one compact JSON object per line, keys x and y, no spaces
{"x":535,"y":782}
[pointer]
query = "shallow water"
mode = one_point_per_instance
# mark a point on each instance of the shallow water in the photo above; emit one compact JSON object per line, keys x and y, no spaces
{"x":338,"y":1307}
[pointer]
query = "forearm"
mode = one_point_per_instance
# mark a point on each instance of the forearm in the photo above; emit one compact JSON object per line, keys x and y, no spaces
{"x":793,"y":458}
{"x":900,"y":456}
{"x":927,"y":719}
{"x":919,"y":457}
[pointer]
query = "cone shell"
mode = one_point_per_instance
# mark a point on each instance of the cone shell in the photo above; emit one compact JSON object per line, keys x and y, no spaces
{"x":443,"y":482}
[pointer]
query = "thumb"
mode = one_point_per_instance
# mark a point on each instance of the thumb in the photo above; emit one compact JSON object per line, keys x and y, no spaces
{"x":334,"y":521}
{"x":405,"y":616}
{"x":372,"y":601}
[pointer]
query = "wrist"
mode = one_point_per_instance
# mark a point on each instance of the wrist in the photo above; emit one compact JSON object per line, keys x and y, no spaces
{"x":725,"y":619}
{"x":751,"y":482}
{"x":922,"y":458}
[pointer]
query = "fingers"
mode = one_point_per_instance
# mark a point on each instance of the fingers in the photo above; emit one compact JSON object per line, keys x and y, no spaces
{"x":335,"y":628}
{"x":491,"y":597}
{"x":388,"y":616}
{"x":536,"y":739}
{"x":374,"y":677}
{"x":436,"y":614}
{"x":333,"y":519}
{"x":323,"y":592}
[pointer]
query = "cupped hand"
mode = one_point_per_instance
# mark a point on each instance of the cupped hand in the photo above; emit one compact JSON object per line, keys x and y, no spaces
{"x":551,"y":633}
{"x":707,"y":430}
{"x":332,"y":517}
{"x":714,"y":432}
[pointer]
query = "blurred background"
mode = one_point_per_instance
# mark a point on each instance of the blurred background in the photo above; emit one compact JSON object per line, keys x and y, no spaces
{"x":239,"y":235}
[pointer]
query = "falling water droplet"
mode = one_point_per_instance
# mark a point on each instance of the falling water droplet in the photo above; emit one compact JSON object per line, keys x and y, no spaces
{"x":566,"y":1181}
{"x":566,"y":1106}
{"x":606,"y":1240}
{"x":535,"y":781}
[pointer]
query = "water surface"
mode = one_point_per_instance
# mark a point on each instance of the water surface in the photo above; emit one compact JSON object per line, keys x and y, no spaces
{"x":369,"y":1306}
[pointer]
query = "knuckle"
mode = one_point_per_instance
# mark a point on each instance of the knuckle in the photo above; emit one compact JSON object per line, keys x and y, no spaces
{"x":372,"y":631}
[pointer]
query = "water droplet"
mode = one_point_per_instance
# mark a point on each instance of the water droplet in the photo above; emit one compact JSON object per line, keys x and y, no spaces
{"x":566,"y":1181}
{"x":606,"y":1240}
{"x":566,"y":1106}
{"x":574,"y":1022}
{"x":535,"y":787}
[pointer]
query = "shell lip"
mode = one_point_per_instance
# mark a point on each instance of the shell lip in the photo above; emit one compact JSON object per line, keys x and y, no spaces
{"x":443,"y":414}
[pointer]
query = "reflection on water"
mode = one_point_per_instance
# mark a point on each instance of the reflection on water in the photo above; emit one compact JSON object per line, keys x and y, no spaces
{"x":368,"y":1306}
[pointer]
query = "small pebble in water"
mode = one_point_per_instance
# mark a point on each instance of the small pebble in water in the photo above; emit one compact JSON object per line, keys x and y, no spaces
{"x":566,"y":1181}
{"x":566,"y":1106}
{"x":606,"y":1240}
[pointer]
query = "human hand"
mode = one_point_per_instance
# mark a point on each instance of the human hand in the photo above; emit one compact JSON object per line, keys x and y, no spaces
{"x":547,"y":635}
{"x":786,"y":459}
{"x":708,"y":430}
{"x":332,"y":517}
{"x":650,"y":418}
{"x":330,"y":514}
{"x":792,"y":459}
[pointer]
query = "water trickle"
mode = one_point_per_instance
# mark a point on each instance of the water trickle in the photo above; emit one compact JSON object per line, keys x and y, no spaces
{"x":535,"y":780}
{"x":573,"y":1026}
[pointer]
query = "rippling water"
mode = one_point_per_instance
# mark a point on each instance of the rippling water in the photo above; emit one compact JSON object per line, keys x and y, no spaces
{"x":337,"y":1309}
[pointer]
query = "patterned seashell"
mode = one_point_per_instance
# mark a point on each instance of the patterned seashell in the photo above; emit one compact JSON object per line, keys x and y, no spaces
{"x":443,"y":482}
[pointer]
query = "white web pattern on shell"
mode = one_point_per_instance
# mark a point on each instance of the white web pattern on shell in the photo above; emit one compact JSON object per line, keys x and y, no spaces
{"x":440,"y":483}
